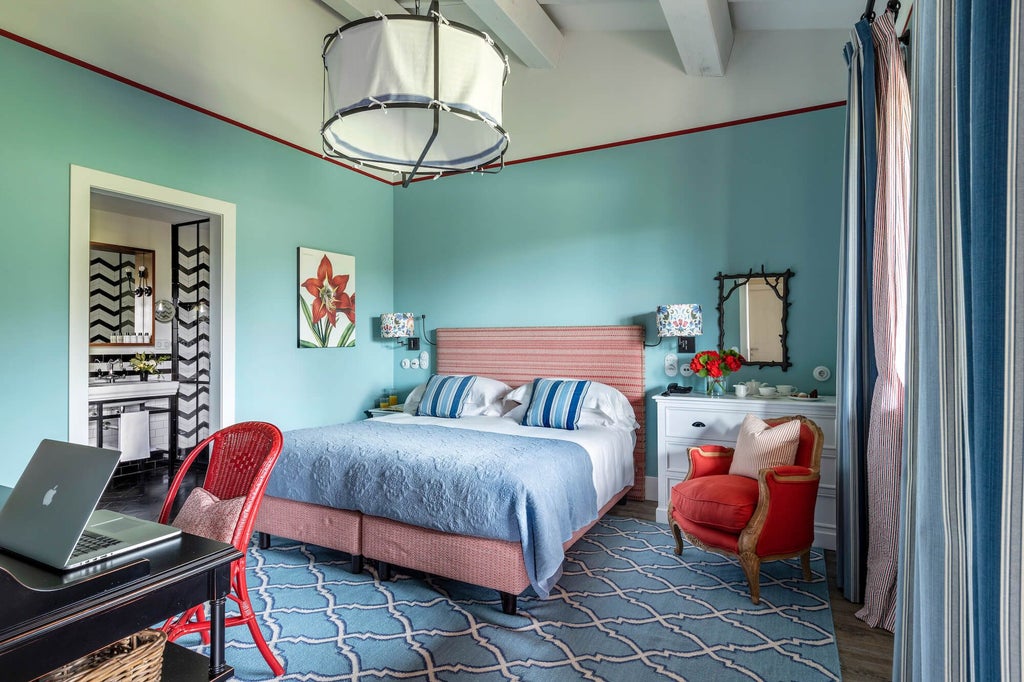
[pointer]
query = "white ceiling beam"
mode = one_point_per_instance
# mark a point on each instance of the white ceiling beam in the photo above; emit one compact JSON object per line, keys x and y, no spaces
{"x":524,"y":27}
{"x":357,"y":9}
{"x":702,"y":31}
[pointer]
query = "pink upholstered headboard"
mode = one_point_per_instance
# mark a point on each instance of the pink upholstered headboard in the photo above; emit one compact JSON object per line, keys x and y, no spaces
{"x":517,"y":355}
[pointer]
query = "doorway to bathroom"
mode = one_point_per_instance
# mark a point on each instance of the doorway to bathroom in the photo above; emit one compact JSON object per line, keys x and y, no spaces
{"x":191,"y":307}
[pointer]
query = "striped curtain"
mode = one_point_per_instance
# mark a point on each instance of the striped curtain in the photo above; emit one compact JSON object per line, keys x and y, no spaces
{"x":872,"y":332}
{"x":959,"y":609}
{"x":855,"y":364}
{"x":889,"y":310}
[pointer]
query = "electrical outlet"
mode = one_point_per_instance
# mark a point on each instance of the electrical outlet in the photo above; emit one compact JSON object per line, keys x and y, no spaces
{"x":671,"y":364}
{"x":685,"y":370}
{"x":163,"y":344}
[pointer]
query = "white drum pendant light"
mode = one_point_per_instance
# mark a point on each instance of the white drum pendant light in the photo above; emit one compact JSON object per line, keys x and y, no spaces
{"x":418,"y":95}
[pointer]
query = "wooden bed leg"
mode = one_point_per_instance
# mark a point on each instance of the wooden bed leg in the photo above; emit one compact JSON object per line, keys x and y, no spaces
{"x":384,"y":572}
{"x":357,"y":564}
{"x":263,"y":540}
{"x":508,"y":603}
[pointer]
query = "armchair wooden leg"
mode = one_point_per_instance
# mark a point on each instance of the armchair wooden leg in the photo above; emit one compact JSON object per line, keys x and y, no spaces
{"x":751,"y":564}
{"x":678,"y":536}
{"x":805,"y":561}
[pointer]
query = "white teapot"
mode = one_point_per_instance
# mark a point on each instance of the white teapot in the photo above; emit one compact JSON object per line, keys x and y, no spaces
{"x":753,"y":385}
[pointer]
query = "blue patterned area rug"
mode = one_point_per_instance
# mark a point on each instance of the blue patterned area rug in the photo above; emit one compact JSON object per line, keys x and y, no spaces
{"x":626,"y":609}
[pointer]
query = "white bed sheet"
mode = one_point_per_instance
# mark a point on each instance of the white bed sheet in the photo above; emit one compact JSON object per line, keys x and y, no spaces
{"x":610,"y":449}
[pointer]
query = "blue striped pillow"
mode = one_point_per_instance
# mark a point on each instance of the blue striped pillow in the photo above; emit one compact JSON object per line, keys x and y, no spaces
{"x":445,"y":396}
{"x":556,"y":403}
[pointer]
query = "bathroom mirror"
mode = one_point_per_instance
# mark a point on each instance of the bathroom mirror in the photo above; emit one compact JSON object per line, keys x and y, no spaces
{"x":121,"y":280}
{"x":752,"y":312}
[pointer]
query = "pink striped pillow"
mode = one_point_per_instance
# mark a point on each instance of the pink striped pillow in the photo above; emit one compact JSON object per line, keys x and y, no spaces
{"x":205,"y":514}
{"x":761,"y":446}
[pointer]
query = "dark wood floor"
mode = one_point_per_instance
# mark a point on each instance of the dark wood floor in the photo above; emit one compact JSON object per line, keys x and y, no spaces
{"x":864,"y":653}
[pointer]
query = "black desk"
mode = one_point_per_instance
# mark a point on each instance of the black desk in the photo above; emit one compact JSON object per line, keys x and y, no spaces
{"x":85,"y":610}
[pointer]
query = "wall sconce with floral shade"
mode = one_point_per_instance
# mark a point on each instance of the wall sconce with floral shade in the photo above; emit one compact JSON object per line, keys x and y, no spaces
{"x":400,"y":326}
{"x":682,"y":320}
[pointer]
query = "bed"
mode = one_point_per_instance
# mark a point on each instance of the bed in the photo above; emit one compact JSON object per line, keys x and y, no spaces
{"x":610,"y":355}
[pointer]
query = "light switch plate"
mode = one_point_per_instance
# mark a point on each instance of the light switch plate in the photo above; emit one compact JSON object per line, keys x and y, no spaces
{"x":424,"y":359}
{"x":406,"y":363}
{"x":671,"y":364}
{"x":414,"y":363}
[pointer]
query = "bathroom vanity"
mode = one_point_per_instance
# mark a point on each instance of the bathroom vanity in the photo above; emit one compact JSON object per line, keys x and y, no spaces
{"x":135,"y":417}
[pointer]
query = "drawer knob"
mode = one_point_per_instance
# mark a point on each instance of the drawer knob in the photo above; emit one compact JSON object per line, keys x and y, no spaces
{"x":698,"y":425}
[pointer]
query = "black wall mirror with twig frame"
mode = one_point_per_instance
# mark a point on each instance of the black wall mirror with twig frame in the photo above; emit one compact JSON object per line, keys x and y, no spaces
{"x":753,"y":311}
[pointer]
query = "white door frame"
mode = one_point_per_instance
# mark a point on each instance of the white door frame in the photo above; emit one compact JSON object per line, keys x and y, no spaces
{"x":83,"y":182}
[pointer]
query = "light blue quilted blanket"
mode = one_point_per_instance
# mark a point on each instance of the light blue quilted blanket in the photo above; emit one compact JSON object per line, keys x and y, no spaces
{"x":534,"y":490}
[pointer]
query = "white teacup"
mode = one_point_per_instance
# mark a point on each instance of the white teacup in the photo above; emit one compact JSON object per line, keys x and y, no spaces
{"x":741,"y":390}
{"x":785,"y":389}
{"x":767,"y":391}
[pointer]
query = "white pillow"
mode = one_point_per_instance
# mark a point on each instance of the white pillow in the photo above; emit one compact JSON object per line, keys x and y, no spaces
{"x":760,"y":446}
{"x":602,"y":406}
{"x":484,"y":399}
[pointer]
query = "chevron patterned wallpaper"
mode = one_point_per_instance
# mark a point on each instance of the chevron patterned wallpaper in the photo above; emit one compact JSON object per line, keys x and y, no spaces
{"x":111,"y":300}
{"x":191,"y":271}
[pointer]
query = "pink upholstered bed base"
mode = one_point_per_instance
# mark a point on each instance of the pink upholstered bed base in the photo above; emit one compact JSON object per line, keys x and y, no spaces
{"x":516,"y":355}
{"x":497,"y":564}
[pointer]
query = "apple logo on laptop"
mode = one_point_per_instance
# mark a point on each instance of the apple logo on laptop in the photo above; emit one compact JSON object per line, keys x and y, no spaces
{"x":48,"y":497}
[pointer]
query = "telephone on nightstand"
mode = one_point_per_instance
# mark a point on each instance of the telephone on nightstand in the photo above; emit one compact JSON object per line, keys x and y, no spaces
{"x":676,"y":389}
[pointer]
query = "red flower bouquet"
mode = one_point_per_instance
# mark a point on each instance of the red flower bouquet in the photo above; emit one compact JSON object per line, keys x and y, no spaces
{"x":716,"y":365}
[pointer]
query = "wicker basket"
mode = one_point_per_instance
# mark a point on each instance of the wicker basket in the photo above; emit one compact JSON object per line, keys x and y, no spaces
{"x":138,"y":658}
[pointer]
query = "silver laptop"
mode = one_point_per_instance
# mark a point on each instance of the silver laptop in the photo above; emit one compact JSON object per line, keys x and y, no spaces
{"x":49,"y":515}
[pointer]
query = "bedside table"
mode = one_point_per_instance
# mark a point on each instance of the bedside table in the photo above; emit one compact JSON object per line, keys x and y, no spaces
{"x":383,"y":411}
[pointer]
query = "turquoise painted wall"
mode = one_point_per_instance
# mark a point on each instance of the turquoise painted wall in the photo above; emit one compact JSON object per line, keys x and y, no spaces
{"x":604,"y":237}
{"x":54,"y":115}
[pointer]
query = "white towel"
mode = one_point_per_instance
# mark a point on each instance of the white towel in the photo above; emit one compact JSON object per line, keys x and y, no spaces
{"x":134,"y":435}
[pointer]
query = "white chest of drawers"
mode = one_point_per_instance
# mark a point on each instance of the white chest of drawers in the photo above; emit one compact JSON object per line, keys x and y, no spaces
{"x":686,"y":421}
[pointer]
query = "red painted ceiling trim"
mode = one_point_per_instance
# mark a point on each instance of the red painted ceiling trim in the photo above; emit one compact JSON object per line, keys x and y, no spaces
{"x":675,"y":133}
{"x":176,"y":100}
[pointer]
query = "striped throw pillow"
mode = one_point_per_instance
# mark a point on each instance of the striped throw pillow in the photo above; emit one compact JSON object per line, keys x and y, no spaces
{"x":761,"y":446}
{"x":556,"y":403}
{"x":445,"y":396}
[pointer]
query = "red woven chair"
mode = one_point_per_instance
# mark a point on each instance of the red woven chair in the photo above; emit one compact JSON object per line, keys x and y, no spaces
{"x":241,"y":459}
{"x":764,"y":520}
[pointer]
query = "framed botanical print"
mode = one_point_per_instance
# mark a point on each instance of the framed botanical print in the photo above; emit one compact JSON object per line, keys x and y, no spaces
{"x":327,"y":299}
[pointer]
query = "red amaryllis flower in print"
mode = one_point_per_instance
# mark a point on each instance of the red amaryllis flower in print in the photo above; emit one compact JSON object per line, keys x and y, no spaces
{"x":328,"y":292}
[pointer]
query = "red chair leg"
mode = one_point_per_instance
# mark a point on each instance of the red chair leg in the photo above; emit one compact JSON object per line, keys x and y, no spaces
{"x":249,"y":617}
{"x":201,"y":618}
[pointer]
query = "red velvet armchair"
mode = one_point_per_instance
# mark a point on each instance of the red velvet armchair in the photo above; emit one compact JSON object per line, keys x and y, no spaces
{"x":765,"y":519}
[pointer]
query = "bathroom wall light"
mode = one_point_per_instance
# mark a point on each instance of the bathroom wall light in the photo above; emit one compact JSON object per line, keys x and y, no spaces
{"x":164,"y":310}
{"x":400,"y":326}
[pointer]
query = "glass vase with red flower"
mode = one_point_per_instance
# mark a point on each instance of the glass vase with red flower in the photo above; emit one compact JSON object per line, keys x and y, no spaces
{"x":715,"y":366}
{"x":716,"y":387}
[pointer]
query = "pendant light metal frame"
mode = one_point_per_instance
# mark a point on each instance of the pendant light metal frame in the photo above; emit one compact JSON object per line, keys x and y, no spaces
{"x":494,"y":164}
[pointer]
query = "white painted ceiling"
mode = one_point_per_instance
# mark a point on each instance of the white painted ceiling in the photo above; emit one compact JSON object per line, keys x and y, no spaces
{"x":616,"y":71}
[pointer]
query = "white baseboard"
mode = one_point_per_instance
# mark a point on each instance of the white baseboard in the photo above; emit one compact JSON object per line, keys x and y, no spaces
{"x":651,"y":488}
